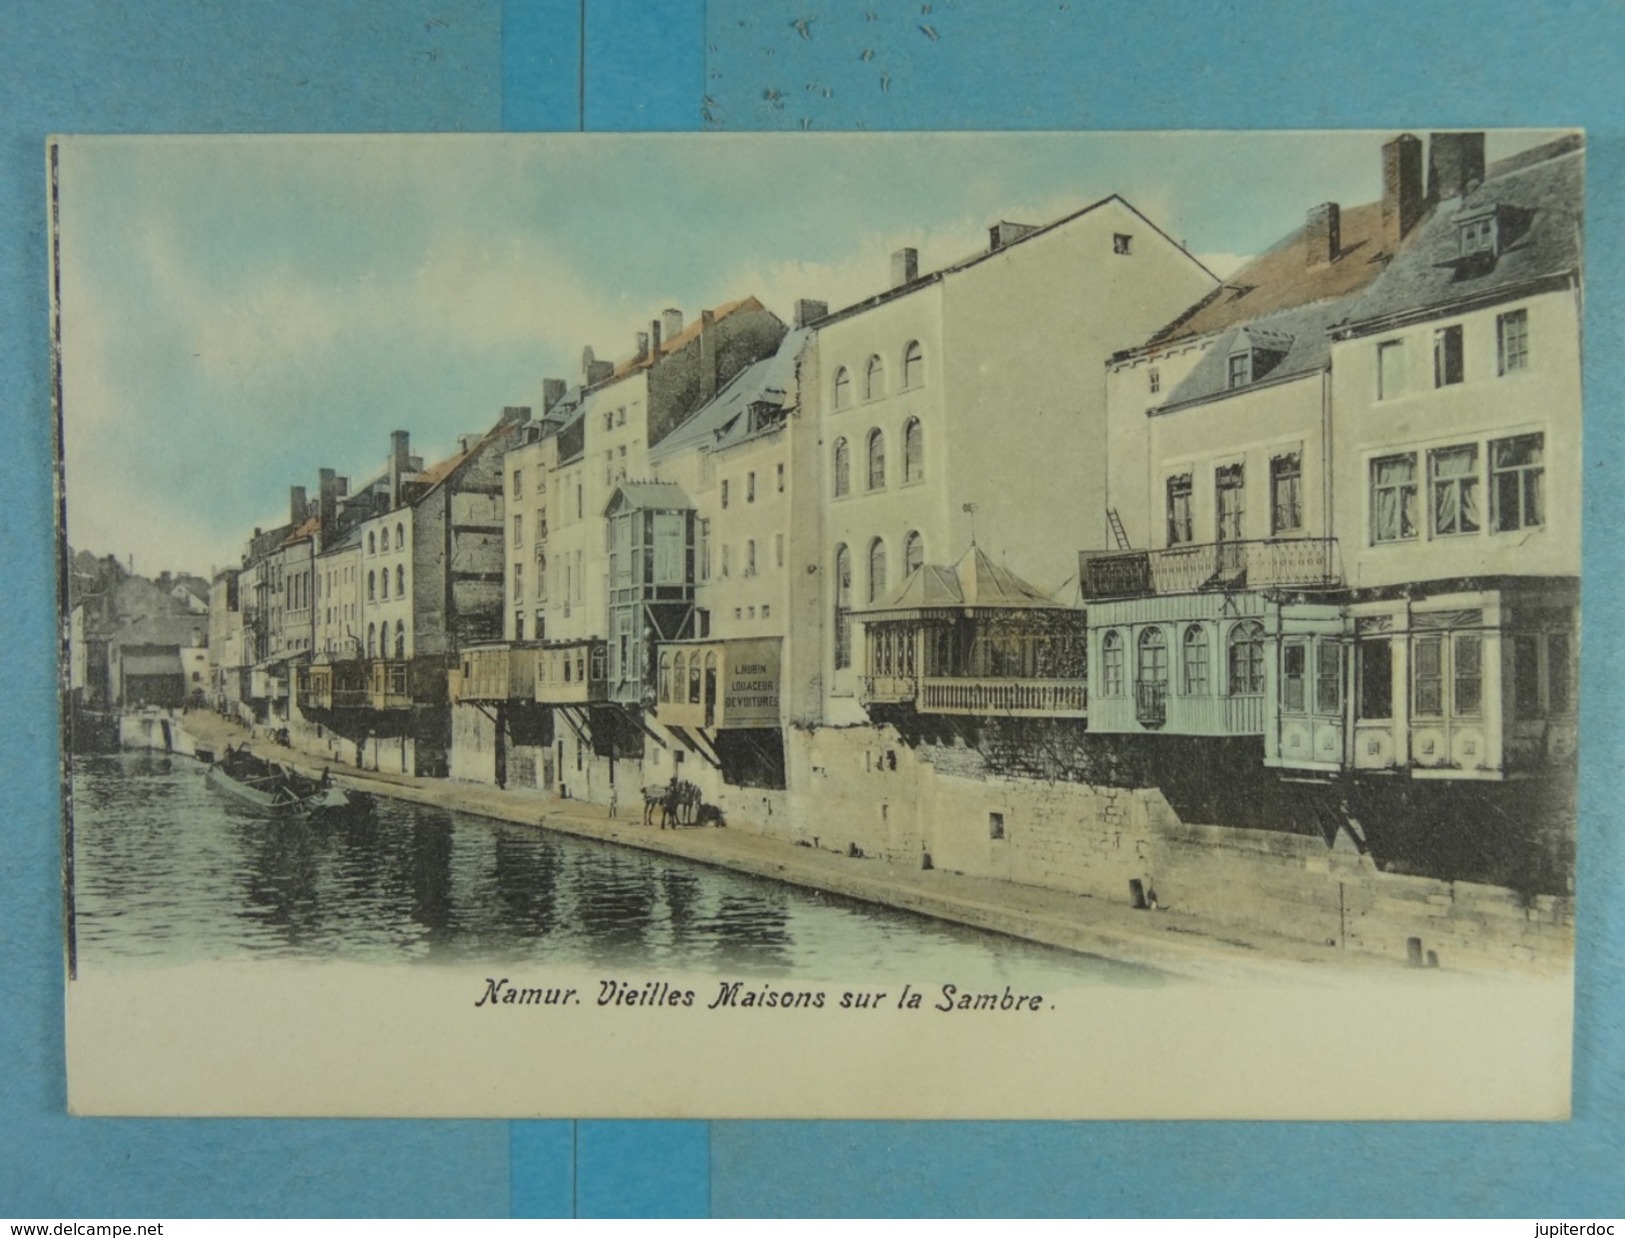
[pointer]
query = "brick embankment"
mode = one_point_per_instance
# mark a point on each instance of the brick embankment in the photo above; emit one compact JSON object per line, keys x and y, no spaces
{"x":1167,"y":940}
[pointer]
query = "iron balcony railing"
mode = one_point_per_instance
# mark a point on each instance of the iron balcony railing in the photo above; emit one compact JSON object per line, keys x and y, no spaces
{"x":1276,"y":563}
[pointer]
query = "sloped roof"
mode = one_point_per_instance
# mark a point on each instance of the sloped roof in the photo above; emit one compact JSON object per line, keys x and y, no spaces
{"x":721,"y":421}
{"x":1302,"y":334}
{"x":683,"y":337}
{"x":1283,"y":278}
{"x":660,"y":495}
{"x":1541,"y":193}
{"x":307,"y":529}
{"x":974,"y":583}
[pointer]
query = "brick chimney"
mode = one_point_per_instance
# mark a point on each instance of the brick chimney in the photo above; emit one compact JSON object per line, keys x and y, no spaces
{"x":296,"y":504}
{"x":671,"y":322}
{"x":553,"y":390}
{"x":1455,"y":164}
{"x":594,"y":370}
{"x":654,"y":339}
{"x":810,"y":311}
{"x":643,"y":346}
{"x":1402,"y":200}
{"x":400,"y":463}
{"x":327,"y":496}
{"x":905,"y":267}
{"x":710,"y":362}
{"x":1323,"y":234}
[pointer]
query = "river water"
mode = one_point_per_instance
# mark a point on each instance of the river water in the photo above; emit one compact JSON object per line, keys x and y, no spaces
{"x":168,"y":871}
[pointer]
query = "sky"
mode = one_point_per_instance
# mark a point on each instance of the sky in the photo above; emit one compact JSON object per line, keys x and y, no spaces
{"x":238,"y":313}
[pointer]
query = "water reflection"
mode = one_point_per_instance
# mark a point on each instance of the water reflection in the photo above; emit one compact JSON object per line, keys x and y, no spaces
{"x":167,"y":871}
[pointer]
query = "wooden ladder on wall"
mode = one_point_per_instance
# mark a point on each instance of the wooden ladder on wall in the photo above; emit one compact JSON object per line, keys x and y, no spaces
{"x":1116,"y":526}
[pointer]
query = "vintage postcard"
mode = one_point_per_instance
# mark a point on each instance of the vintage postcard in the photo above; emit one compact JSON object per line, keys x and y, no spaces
{"x":1020,"y":625}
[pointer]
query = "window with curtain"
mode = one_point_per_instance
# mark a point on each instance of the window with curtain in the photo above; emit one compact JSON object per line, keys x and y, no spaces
{"x":1393,"y":498}
{"x":1453,"y":487}
{"x":1179,"y":509}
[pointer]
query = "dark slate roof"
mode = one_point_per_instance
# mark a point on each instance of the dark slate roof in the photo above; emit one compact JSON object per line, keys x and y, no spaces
{"x":1302,"y":333}
{"x":1540,"y":192}
{"x":722,"y":421}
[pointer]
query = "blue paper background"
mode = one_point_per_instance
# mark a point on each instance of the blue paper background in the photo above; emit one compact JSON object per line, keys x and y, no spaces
{"x":401,"y":65}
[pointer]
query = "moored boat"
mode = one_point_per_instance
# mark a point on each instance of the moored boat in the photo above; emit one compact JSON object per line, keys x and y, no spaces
{"x":277,"y":791}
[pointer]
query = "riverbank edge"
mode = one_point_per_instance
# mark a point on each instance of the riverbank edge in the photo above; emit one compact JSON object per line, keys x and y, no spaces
{"x":1166,"y":941}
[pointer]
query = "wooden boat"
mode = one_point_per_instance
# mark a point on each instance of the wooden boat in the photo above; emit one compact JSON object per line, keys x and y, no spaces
{"x":277,"y":791}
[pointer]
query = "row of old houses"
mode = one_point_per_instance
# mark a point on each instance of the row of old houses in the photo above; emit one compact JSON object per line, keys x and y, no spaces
{"x":939,"y":572}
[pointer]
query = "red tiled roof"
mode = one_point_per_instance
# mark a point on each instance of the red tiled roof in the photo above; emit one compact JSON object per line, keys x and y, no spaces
{"x":1282,"y":277}
{"x":690,"y":332}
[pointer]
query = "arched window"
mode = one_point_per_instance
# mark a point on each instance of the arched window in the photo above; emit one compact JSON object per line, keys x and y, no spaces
{"x":1153,"y":667}
{"x":372,"y":586}
{"x":877,"y":460}
{"x":694,"y":679}
{"x":665,"y":676}
{"x":843,"y":468}
{"x":913,"y":365}
{"x":541,"y":577}
{"x":400,"y":580}
{"x":1247,"y":658}
{"x":400,"y":537}
{"x":679,"y":678}
{"x":877,"y":569}
{"x":383,"y":541}
{"x":1196,"y":660}
{"x":913,"y":553}
{"x":1111,"y":664}
{"x":874,"y":378}
{"x":913,"y":450}
{"x":843,"y":388}
{"x":400,"y":638}
{"x":383,"y":584}
{"x":372,"y":639}
{"x":372,"y":543}
{"x":843,"y":607}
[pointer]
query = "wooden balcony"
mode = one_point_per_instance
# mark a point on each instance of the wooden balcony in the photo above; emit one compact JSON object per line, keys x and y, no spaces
{"x":1004,"y":698}
{"x":401,"y":683}
{"x":572,"y":673}
{"x":1299,"y":562}
{"x":499,"y":673}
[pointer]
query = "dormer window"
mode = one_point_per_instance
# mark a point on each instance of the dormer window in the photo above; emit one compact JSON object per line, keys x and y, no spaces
{"x":1255,"y":352}
{"x":1478,"y":236}
{"x":1241,"y":369}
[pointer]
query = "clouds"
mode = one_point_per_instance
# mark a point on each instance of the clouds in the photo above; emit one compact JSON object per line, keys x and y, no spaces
{"x":238,"y":313}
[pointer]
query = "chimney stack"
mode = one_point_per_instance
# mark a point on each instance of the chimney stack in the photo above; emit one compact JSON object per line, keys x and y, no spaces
{"x":671,"y":321}
{"x":905,"y":267}
{"x":553,"y":390}
{"x":1402,"y":199}
{"x":810,"y":311}
{"x":400,"y":463}
{"x":643,"y":345}
{"x":654,"y":339}
{"x":1455,"y":164}
{"x":594,"y":370}
{"x":296,"y":504}
{"x":327,"y":496}
{"x":710,"y":362}
{"x":1323,"y":234}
